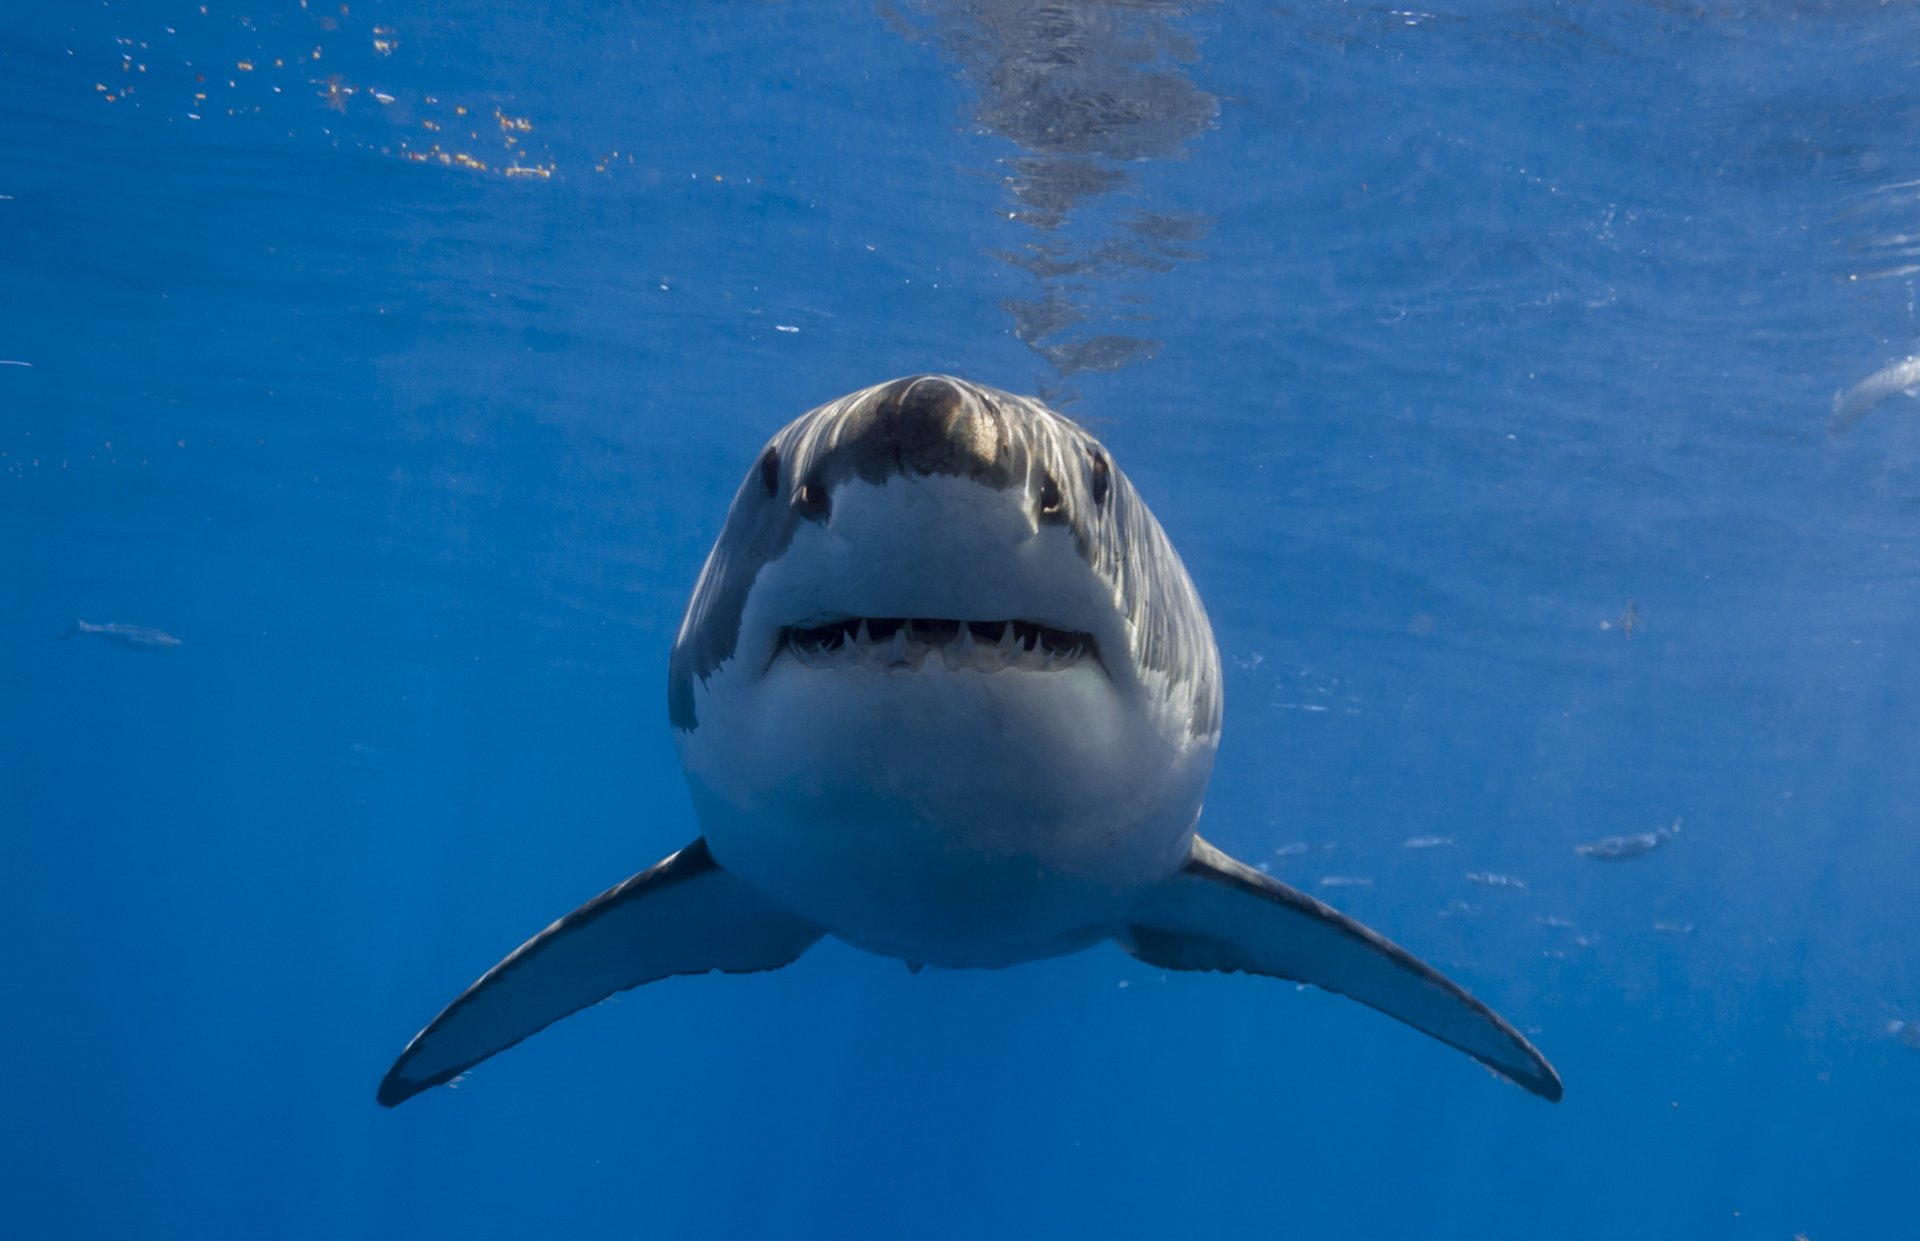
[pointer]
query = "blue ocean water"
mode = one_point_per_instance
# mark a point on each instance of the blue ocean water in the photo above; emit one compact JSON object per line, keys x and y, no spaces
{"x":400,"y":359}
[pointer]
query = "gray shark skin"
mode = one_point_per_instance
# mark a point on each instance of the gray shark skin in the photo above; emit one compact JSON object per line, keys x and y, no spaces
{"x":945,"y":692}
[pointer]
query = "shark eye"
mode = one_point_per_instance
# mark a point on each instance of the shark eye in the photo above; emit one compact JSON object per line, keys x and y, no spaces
{"x":770,"y":470}
{"x":1102,"y":478}
{"x":812,"y":501}
{"x":1052,"y":503}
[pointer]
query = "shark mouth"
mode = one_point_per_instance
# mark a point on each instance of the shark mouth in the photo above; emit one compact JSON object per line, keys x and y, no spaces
{"x":906,"y":643}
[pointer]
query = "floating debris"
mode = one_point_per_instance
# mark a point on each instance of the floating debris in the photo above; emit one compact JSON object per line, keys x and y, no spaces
{"x":1674,"y":928}
{"x":133,"y":637}
{"x":1427,"y":842}
{"x":1489,"y":879}
{"x":1852,"y":405}
{"x":1621,"y":848}
{"x":1345,"y":881}
{"x":335,"y":91}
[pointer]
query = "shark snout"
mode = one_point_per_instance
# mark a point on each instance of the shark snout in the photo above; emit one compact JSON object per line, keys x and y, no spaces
{"x":926,"y":425}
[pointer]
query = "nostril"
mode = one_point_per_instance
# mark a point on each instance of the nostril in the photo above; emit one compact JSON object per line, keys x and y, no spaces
{"x":812,"y":501}
{"x":1052,"y":503}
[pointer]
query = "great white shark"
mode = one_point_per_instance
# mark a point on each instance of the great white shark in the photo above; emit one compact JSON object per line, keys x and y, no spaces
{"x":945,"y":692}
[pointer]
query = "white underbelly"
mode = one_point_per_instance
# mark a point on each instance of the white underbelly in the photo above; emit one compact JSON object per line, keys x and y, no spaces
{"x":958,"y":818}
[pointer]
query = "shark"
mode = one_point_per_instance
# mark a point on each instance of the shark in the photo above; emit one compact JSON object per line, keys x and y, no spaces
{"x":945,"y":692}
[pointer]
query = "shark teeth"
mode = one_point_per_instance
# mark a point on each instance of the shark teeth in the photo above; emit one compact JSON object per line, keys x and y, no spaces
{"x":903,"y":644}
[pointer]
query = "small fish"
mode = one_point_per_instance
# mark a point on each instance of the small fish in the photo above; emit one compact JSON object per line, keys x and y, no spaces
{"x":133,"y":637}
{"x":1674,"y":928}
{"x":1621,"y":848}
{"x":1852,"y":405}
{"x":1488,"y":879}
{"x":1460,"y":909}
{"x":1345,"y":881}
{"x":1298,"y":848}
{"x":1906,"y":1031}
{"x":1628,"y":622}
{"x":1554,"y":922}
{"x":1426,"y":842}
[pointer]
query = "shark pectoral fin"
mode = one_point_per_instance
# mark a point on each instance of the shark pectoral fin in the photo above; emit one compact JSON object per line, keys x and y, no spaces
{"x":1218,"y":914}
{"x":683,"y":915}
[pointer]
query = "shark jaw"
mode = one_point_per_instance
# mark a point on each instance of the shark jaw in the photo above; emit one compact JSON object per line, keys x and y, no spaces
{"x":933,"y":740}
{"x":903,"y":644}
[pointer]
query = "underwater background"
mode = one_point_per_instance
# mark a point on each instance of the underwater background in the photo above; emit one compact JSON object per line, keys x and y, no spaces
{"x":400,"y":359}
